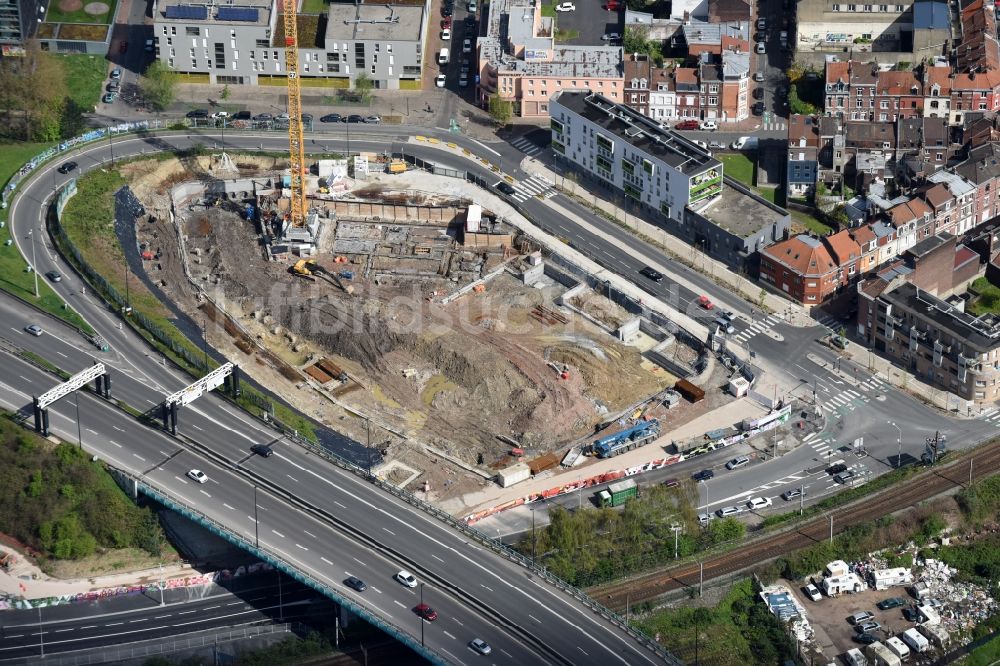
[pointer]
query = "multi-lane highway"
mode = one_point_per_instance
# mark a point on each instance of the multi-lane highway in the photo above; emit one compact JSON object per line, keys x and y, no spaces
{"x":454,"y":565}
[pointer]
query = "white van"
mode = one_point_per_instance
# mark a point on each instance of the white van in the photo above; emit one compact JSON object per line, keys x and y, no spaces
{"x":443,"y":57}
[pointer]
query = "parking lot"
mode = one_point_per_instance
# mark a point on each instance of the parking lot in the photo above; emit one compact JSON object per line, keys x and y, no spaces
{"x":591,"y":21}
{"x":828,"y":617}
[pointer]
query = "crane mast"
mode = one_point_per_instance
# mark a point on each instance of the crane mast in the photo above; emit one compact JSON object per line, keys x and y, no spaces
{"x":296,"y":147}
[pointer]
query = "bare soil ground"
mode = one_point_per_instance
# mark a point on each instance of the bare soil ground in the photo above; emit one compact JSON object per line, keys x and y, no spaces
{"x":475,"y":368}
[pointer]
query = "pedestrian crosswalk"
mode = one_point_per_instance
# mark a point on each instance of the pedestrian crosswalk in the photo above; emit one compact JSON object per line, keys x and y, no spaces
{"x":525,"y":146}
{"x":774,"y":127}
{"x":828,"y":320}
{"x":847,"y":400}
{"x":535,"y":186}
{"x":757,"y":327}
{"x":991,"y":415}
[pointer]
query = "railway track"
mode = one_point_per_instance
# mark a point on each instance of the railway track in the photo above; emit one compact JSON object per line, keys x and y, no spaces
{"x":924,"y":486}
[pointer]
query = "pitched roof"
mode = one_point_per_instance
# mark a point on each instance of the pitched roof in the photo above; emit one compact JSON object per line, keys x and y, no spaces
{"x":873,"y":286}
{"x":898,"y":83}
{"x":843,"y":247}
{"x":802,"y":127}
{"x":686,"y":75}
{"x":907,"y":211}
{"x":863,"y":235}
{"x":940,"y":76}
{"x":803,"y":255}
{"x":838,"y":71}
{"x":938,"y":196}
{"x":983,"y":164}
{"x":870,"y":135}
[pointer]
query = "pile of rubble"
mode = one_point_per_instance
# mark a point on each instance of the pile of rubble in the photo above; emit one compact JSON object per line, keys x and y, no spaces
{"x":962,"y":605}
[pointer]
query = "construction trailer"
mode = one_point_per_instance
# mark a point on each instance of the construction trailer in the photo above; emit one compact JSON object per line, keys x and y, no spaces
{"x":632,"y":438}
{"x":880,"y":655}
{"x":936,"y":634}
{"x":837,"y":568}
{"x":883,"y":579}
{"x":917,"y":641}
{"x":836,"y":585}
{"x":618,"y":493}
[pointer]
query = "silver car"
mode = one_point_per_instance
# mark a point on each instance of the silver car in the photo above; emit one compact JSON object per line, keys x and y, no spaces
{"x":480,"y":646}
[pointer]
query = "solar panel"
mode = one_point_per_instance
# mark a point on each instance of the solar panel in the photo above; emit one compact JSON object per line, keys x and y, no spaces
{"x":187,"y":12}
{"x":237,"y":14}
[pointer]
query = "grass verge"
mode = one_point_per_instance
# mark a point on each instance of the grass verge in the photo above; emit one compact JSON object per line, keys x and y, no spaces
{"x":738,"y":166}
{"x":14,"y":276}
{"x":84,"y":78}
{"x":313,"y":7}
{"x":810,"y":223}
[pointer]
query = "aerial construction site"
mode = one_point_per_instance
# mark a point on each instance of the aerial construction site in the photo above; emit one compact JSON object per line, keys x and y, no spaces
{"x":399,"y":312}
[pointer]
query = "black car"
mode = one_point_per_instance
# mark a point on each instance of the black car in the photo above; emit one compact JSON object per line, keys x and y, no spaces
{"x":54,"y":276}
{"x":447,"y":11}
{"x":307,"y":117}
{"x":654,"y":275}
{"x":263,"y":117}
{"x":242,"y":115}
{"x":703,"y":475}
{"x":758,"y":93}
{"x":758,"y":109}
{"x":891,"y":602}
{"x":355,"y":118}
{"x":263,"y":450}
{"x":911,"y":614}
{"x":836,"y":469}
{"x":331,"y":118}
{"x":198,"y":113}
{"x":505,"y":188}
{"x":66,"y":167}
{"x":866,"y":638}
{"x":355,"y":584}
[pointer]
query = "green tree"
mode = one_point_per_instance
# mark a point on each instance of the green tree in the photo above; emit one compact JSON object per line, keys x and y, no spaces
{"x":226,"y":93}
{"x":159,"y":85}
{"x":363,"y":86}
{"x":501,"y":110}
{"x":33,"y":112}
{"x":636,"y":40}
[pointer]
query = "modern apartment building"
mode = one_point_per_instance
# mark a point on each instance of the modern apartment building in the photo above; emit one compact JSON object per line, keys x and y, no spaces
{"x":935,"y":340}
{"x":244,"y":44}
{"x":519,"y":61}
{"x":18,"y":20}
{"x":671,"y":180}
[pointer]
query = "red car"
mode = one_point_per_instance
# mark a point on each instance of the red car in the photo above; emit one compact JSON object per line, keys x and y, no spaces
{"x":705,"y":303}
{"x":426,"y":612}
{"x":612,"y":6}
{"x":446,"y":22}
{"x":686,"y":125}
{"x":123,"y":47}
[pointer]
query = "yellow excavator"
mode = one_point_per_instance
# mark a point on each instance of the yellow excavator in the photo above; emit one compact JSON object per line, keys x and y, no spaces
{"x":308,"y":268}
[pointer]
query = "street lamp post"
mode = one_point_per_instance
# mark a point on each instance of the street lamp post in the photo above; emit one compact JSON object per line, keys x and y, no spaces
{"x":899,"y":443}
{"x":79,"y":431}
{"x":256,"y":523}
{"x":34,"y":268}
{"x":422,"y":619}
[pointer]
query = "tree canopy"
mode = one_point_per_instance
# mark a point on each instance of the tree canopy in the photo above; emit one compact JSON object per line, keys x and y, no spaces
{"x":159,"y":85}
{"x":33,"y":95}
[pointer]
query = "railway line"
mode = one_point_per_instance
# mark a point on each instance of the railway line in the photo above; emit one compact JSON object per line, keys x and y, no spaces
{"x":931,"y":483}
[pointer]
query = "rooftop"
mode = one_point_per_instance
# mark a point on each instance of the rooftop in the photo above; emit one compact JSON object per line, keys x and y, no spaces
{"x":248,"y":12}
{"x":982,"y":334}
{"x":701,"y":32}
{"x":739,"y":212}
{"x":803,"y":255}
{"x":374,"y":22}
{"x":930,"y":244}
{"x":983,"y":164}
{"x":637,"y":130}
{"x":802,"y":130}
{"x":930,"y":16}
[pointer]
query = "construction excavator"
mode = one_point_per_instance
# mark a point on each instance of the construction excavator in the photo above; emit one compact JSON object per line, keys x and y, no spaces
{"x":308,"y":269}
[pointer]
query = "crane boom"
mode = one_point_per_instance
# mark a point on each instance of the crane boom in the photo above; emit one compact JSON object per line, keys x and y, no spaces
{"x":296,"y":147}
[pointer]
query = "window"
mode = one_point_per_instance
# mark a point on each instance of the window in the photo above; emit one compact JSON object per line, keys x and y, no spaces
{"x":713,"y":101}
{"x":713,"y":88}
{"x":191,"y":32}
{"x":191,"y":54}
{"x":262,"y":43}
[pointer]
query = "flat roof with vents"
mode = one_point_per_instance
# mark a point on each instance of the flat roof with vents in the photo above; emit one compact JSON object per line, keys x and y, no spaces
{"x":638,"y":131}
{"x":978,"y":334}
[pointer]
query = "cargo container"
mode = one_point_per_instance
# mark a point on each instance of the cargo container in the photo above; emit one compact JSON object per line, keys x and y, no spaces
{"x":690,"y":392}
{"x":396,"y":166}
{"x":880,"y":655}
{"x":508,"y":476}
{"x":618,"y":493}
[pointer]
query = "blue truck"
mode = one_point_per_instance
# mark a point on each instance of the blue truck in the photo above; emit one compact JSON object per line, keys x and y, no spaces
{"x":632,"y":438}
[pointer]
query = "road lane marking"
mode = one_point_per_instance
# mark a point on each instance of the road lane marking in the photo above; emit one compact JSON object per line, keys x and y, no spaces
{"x":485,"y":587}
{"x":299,"y":545}
{"x":437,"y":558}
{"x":399,"y":603}
{"x":118,"y":429}
{"x":115,"y":443}
{"x":92,"y":626}
{"x":534,"y":618}
{"x":292,"y":478}
{"x":228,"y":507}
{"x":187,"y":612}
{"x":359,"y":561}
{"x":251,"y":519}
{"x":389,"y":531}
{"x":139,"y":457}
{"x":91,"y":431}
{"x":327,"y":561}
{"x":310,"y":534}
{"x":197,"y":427}
{"x":279,"y":534}
{"x":113,"y":624}
{"x":339,"y":504}
{"x":160,"y":617}
{"x":448,"y":635}
{"x":59,"y":631}
{"x":205,"y":493}
{"x":61,"y":354}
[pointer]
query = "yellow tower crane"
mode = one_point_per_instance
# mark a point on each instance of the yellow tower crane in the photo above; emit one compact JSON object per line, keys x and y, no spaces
{"x":296,"y":152}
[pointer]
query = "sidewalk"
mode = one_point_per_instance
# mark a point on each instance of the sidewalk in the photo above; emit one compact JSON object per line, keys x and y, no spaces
{"x":677,"y":248}
{"x":26,"y":581}
{"x":493,"y":495}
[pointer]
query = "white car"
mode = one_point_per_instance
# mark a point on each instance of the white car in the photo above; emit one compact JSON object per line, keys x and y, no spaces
{"x":439,"y":80}
{"x":708,"y":126}
{"x":220,"y":114}
{"x":198,"y":475}
{"x":467,"y":46}
{"x":611,"y":37}
{"x":756,"y":503}
{"x":761,"y":47}
{"x":446,"y":34}
{"x":739,"y":143}
{"x":565,"y":7}
{"x":758,"y":76}
{"x":406,"y":578}
{"x":480,"y":646}
{"x":700,"y":143}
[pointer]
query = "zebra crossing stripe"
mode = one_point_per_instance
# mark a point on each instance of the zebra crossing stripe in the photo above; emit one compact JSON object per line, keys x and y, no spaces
{"x":811,"y":436}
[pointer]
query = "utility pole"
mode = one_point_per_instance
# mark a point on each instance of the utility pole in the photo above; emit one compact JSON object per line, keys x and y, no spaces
{"x":162,"y":585}
{"x":533,"y":535}
{"x":677,"y":530}
{"x":204,"y":339}
{"x":256,"y":523}
{"x":831,"y":529}
{"x":802,"y":499}
{"x":41,"y":633}
{"x":79,"y":431}
{"x":421,"y":619}
{"x":626,"y":605}
{"x":701,"y":577}
{"x":899,"y":443}
{"x":970,"y":472}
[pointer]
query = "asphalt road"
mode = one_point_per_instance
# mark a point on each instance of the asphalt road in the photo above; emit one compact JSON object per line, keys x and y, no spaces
{"x":69,"y":628}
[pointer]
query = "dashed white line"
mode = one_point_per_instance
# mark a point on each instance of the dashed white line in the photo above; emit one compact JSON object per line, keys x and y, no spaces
{"x":398,"y":603}
{"x":292,"y":478}
{"x":339,"y":504}
{"x":61,"y":354}
{"x":113,"y":624}
{"x":359,"y":561}
{"x":389,"y":531}
{"x":93,"y":432}
{"x":117,"y":428}
{"x":279,"y":534}
{"x":436,"y":557}
{"x":139,"y":457}
{"x":448,"y":635}
{"x":205,"y":493}
{"x":160,"y":617}
{"x":534,"y":618}
{"x":228,"y":507}
{"x":299,"y":545}
{"x":92,"y":626}
{"x":485,"y":587}
{"x":582,"y":650}
{"x":115,"y":443}
{"x":187,"y":612}
{"x":310,"y":534}
{"x":59,"y":631}
{"x":251,"y":519}
{"x":327,"y":561}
